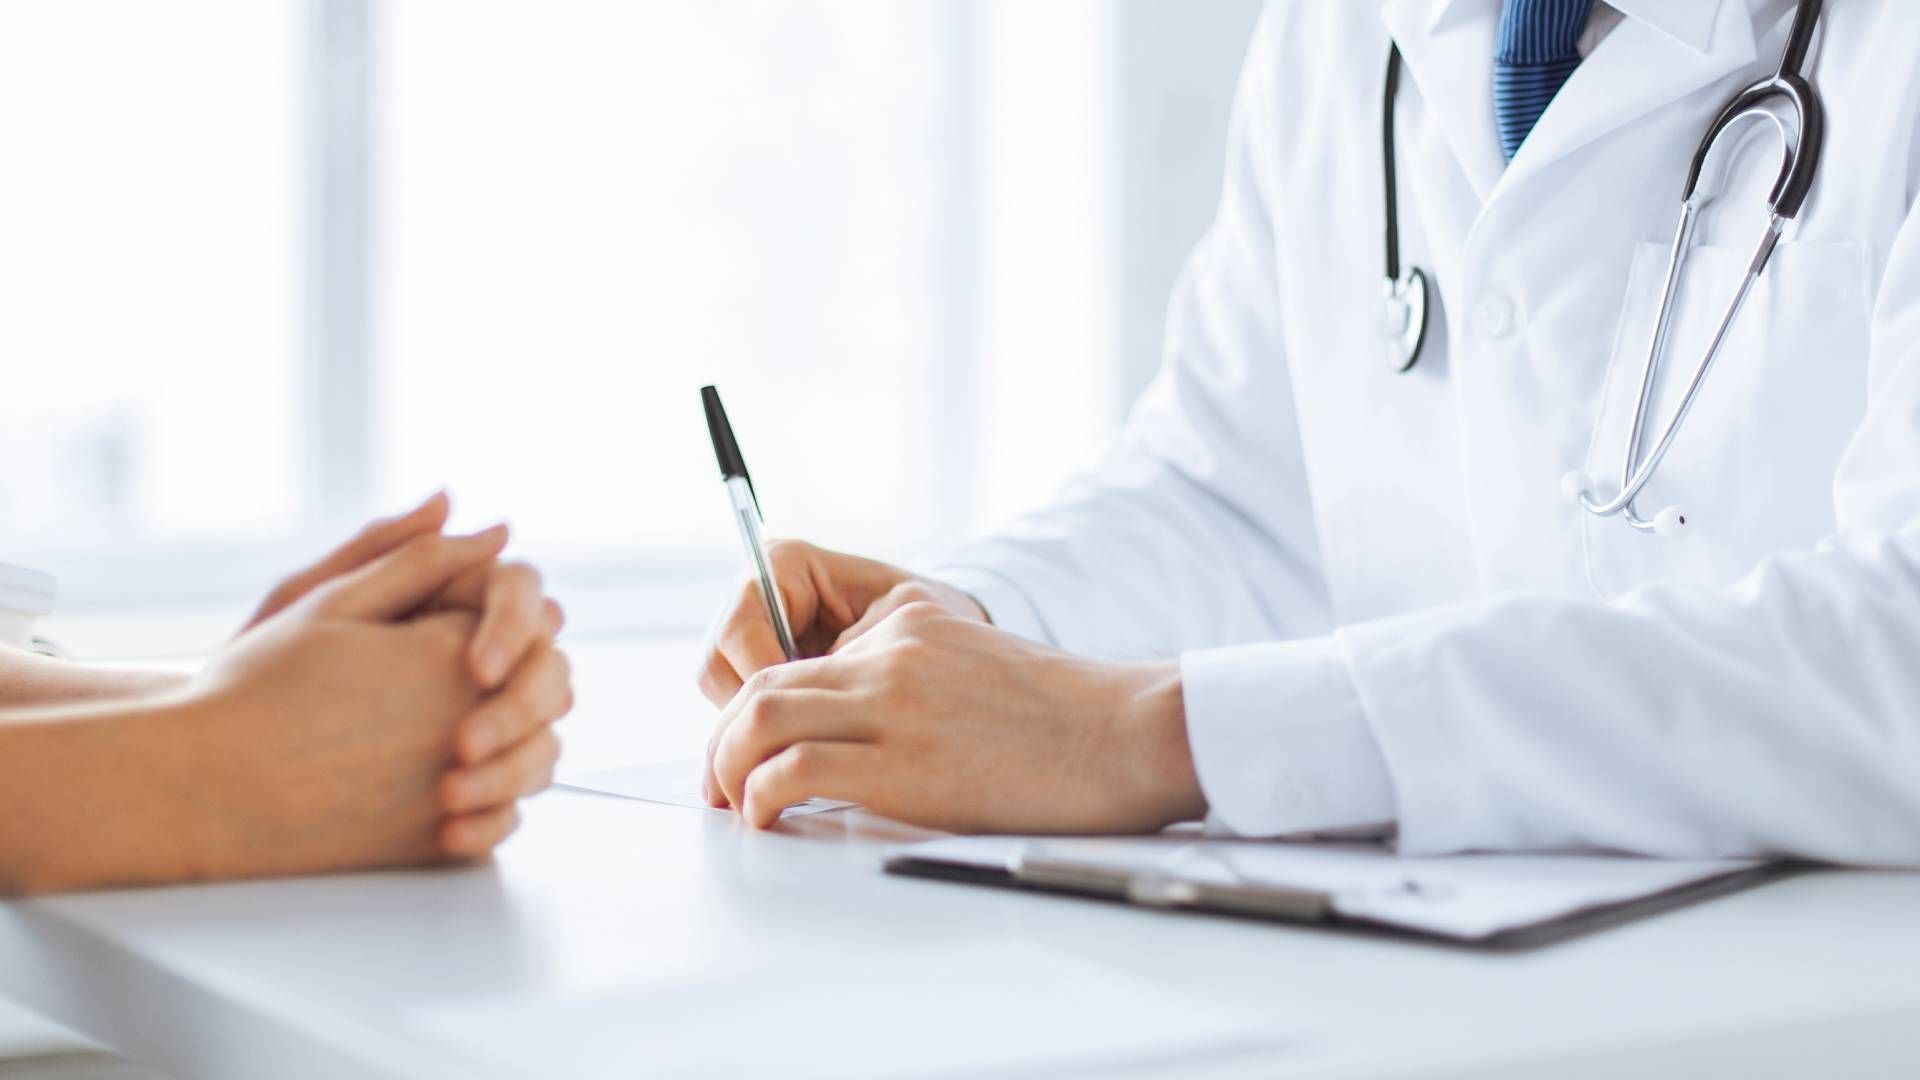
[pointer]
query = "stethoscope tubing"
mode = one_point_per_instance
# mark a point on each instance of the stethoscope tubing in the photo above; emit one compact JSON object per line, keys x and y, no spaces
{"x":1407,"y":296}
{"x":1390,"y":160}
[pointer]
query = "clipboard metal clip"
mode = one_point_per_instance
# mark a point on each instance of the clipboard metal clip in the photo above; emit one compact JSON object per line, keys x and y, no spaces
{"x":1161,"y":890}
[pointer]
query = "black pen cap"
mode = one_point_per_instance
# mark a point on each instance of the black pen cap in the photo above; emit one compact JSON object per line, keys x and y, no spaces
{"x":725,"y":449}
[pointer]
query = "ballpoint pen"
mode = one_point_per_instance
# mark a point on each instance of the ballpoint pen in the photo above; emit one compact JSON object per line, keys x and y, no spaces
{"x":746,"y":513}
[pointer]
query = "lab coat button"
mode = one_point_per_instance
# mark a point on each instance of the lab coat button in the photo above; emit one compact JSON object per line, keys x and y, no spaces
{"x":1494,"y":316}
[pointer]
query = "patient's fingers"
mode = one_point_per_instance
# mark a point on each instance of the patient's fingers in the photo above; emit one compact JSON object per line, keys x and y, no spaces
{"x":539,"y":693}
{"x":406,"y":579}
{"x":374,"y":540}
{"x":471,"y":836}
{"x":513,"y":620}
{"x":524,"y":770}
{"x":515,"y":616}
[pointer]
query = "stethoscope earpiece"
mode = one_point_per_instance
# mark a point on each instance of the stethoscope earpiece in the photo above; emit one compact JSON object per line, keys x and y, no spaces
{"x":1670,"y":522}
{"x":1576,"y":485}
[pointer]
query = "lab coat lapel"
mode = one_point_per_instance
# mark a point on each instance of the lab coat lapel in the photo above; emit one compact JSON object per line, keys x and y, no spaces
{"x":1634,"y":71}
{"x":1447,"y":46}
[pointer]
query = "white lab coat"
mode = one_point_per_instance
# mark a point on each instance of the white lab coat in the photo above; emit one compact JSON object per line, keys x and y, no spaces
{"x":1385,"y":608}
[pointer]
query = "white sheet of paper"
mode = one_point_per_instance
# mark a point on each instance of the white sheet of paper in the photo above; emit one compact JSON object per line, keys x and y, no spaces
{"x":1460,"y":896}
{"x":967,"y":1008}
{"x":674,"y":783}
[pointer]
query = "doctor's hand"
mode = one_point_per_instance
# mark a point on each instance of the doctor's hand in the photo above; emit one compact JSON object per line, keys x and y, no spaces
{"x":832,"y":599}
{"x":943,"y":721}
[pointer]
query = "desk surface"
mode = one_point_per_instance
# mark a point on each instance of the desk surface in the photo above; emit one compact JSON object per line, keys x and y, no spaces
{"x":596,"y":896}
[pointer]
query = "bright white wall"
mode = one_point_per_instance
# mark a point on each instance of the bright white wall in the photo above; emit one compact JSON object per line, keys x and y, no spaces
{"x":922,"y":246}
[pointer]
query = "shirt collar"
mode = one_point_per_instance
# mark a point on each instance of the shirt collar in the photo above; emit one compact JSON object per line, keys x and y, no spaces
{"x":1687,"y":21}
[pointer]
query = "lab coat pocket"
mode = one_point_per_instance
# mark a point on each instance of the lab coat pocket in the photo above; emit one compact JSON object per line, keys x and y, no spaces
{"x":1753,"y":464}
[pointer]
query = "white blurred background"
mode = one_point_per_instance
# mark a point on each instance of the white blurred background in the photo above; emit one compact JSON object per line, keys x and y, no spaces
{"x":268,"y":267}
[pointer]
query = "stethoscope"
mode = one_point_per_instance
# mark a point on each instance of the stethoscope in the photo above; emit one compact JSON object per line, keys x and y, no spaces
{"x":1407,"y":294}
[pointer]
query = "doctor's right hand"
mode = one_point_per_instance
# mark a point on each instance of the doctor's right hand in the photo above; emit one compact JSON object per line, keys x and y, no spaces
{"x":832,"y":599}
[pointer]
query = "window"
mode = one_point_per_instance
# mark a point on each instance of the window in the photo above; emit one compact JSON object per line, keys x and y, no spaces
{"x":149,"y":275}
{"x":274,"y":265}
{"x":591,"y":208}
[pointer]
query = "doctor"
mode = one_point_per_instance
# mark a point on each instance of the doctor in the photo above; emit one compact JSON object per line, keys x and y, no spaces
{"x":1309,"y":591}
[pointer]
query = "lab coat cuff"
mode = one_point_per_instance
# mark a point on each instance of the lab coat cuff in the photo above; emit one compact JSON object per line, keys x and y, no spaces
{"x":1280,"y":742}
{"x":1439,"y":791}
{"x":1005,"y":604}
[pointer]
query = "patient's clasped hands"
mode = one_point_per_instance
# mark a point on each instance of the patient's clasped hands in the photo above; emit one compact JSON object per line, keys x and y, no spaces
{"x":389,"y":705}
{"x":415,"y":683}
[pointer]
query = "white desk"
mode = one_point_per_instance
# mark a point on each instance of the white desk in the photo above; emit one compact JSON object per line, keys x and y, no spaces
{"x":337,"y":976}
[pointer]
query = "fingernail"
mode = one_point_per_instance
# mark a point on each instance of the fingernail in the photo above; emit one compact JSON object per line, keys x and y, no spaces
{"x":489,"y":535}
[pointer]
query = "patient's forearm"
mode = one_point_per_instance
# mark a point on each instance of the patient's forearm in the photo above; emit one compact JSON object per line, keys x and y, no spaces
{"x":91,"y":796}
{"x":28,"y":680}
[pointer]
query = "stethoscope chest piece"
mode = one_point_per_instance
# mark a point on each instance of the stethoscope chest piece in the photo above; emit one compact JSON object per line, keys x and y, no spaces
{"x":1403,"y":313}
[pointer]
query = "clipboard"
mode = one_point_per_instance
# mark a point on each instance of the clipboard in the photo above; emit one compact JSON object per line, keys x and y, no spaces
{"x":1482,"y":901}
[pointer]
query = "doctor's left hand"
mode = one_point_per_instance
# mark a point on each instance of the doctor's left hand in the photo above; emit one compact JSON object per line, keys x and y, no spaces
{"x":943,"y":721}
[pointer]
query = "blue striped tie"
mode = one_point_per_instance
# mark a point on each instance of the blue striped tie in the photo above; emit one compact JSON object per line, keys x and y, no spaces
{"x":1539,"y":48}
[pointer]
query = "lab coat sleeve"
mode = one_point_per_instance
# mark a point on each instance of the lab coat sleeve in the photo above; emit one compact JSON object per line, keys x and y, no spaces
{"x":1280,"y":741}
{"x":1196,"y":528}
{"x":1779,"y":716}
